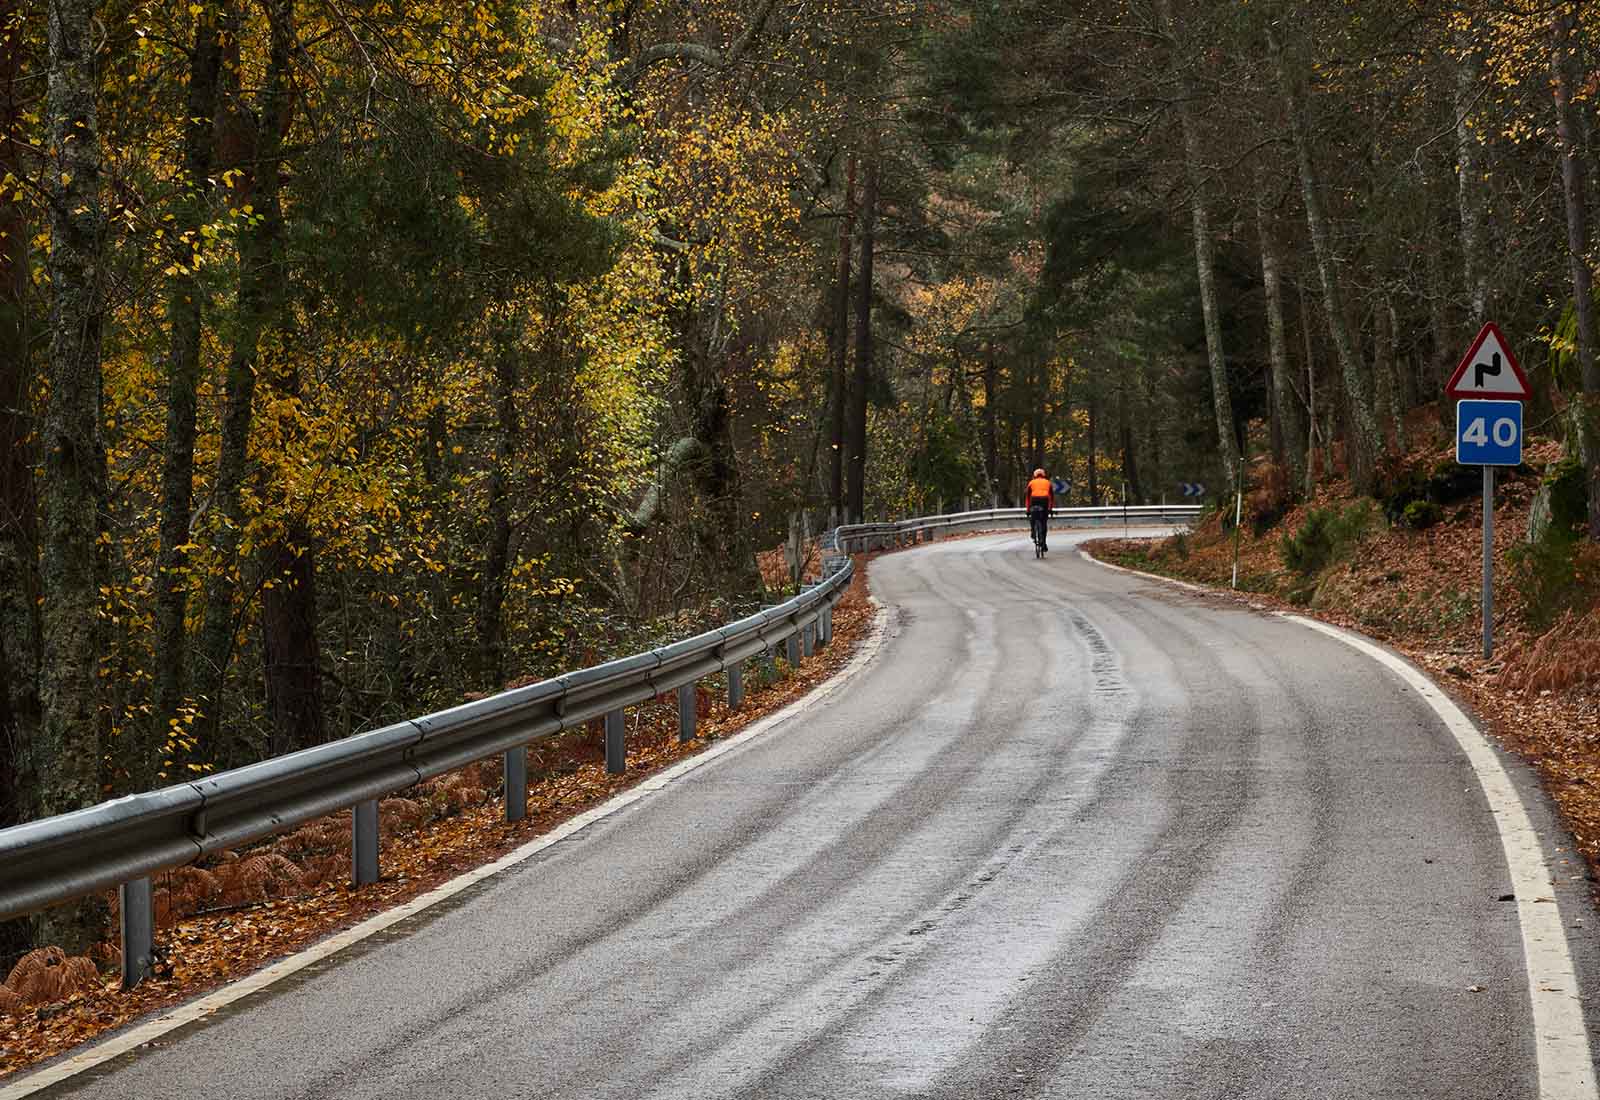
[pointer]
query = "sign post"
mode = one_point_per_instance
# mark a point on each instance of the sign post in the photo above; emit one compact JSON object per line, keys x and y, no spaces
{"x":1488,"y":561}
{"x":1489,"y":387}
{"x":1238,"y":514}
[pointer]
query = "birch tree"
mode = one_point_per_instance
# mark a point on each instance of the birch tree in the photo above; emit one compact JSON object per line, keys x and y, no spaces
{"x":1204,"y":247}
{"x":1364,"y":433}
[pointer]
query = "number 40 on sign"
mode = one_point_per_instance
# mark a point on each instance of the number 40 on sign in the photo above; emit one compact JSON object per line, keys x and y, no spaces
{"x":1489,"y":433}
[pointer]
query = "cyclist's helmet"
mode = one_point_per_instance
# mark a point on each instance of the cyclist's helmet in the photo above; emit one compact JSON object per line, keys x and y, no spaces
{"x":1038,"y":473}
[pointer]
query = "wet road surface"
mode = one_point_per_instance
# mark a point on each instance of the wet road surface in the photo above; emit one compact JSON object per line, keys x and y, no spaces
{"x":1069,"y":834}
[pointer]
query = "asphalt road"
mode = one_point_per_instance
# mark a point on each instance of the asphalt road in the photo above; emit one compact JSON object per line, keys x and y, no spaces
{"x":1069,"y":834}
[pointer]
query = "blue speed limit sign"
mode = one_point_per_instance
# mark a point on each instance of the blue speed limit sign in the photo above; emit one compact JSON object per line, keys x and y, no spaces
{"x":1489,"y":433}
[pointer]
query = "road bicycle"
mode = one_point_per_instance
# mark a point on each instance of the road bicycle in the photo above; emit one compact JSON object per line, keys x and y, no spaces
{"x":1037,"y":528}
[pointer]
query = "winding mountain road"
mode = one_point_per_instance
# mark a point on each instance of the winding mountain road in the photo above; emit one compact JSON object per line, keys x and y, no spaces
{"x":1068,"y":833}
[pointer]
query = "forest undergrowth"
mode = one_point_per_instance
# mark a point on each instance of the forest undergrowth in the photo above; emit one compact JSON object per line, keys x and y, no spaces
{"x":1407,"y":572}
{"x":227,"y":917}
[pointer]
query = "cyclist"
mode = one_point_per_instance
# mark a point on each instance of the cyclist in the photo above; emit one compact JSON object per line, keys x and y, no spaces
{"x":1039,"y":500}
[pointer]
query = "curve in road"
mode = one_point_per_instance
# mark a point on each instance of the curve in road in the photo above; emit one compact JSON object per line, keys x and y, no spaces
{"x":1071,"y":833}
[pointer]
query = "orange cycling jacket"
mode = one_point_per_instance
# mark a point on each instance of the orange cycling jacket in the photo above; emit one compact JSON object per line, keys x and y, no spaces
{"x":1040,"y":489}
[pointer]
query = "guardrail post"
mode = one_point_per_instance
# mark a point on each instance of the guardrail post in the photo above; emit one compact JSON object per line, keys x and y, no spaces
{"x":516,"y":770}
{"x":616,"y":742}
{"x":686,"y":712}
{"x":811,"y":637}
{"x":791,"y":650}
{"x":364,"y":843}
{"x":827,"y":625}
{"x":138,"y":927}
{"x":736,"y":685}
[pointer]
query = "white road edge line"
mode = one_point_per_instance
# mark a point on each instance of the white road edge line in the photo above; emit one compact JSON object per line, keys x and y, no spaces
{"x":199,"y":1009}
{"x":1561,"y":1038}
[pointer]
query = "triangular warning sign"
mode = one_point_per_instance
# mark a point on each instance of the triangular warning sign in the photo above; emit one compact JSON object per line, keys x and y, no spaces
{"x":1489,"y":370}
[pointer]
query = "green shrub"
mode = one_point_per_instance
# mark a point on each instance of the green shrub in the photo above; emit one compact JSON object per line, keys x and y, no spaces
{"x":1180,"y":545}
{"x":1556,"y":573}
{"x":1549,"y":568}
{"x":1309,"y":549}
{"x":1420,"y":514}
{"x":1545,"y":572}
{"x":1326,"y":536}
{"x":1352,"y":526}
{"x":1569,"y":495}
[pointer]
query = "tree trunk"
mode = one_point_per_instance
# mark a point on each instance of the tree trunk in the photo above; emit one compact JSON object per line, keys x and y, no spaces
{"x":717,"y":477}
{"x":73,"y":487}
{"x":184,"y":316}
{"x":1063,"y":459}
{"x":1388,"y":330}
{"x":19,"y":526}
{"x":863,"y":372}
{"x":497,"y":551}
{"x":1311,"y":396}
{"x":1151,"y":403}
{"x":291,"y":658}
{"x":1019,"y":459}
{"x":1205,"y":264}
{"x":991,"y":428}
{"x":1564,"y":70}
{"x":1274,"y":424}
{"x":1362,"y":441}
{"x":1094,"y":457}
{"x":257,"y":303}
{"x":1285,"y":406}
{"x":1438,"y":325}
{"x":1408,"y":373}
{"x":1383,"y":373}
{"x":72,"y":492}
{"x":1130,"y":461}
{"x":1036,"y":415}
{"x":841,"y":344}
{"x":1470,"y":183}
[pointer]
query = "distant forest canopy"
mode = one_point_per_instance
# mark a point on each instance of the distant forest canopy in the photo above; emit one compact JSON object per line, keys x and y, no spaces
{"x":361,"y":354}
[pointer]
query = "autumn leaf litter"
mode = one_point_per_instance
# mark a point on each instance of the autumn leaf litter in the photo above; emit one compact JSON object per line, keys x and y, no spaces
{"x":220,"y":922}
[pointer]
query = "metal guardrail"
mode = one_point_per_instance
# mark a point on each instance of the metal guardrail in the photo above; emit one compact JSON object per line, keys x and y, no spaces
{"x":121,"y":842}
{"x":881,"y":536}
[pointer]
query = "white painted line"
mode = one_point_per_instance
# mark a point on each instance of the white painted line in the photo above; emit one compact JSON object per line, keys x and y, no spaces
{"x":1566,"y":1071}
{"x":123,"y":1042}
{"x":1561,"y":1039}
